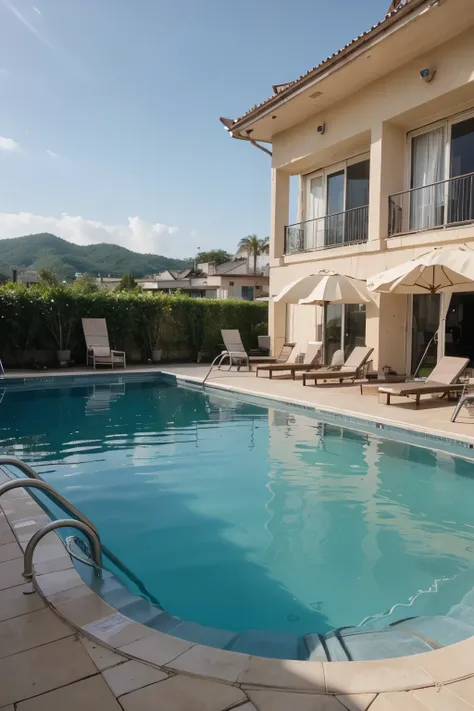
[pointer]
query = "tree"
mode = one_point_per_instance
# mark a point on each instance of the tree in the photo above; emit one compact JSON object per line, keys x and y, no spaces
{"x":127,"y":283}
{"x":48,"y":277}
{"x":219,"y":256}
{"x":86,"y":284}
{"x":253,"y":247}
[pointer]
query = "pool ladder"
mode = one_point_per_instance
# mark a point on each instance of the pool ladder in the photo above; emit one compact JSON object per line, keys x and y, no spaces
{"x":80,"y":522}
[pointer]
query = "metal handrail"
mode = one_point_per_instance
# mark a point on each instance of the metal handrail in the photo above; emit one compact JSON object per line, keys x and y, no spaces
{"x":332,"y":214}
{"x":50,"y":491}
{"x":38,"y":483}
{"x":96,"y":547}
{"x":431,"y":185}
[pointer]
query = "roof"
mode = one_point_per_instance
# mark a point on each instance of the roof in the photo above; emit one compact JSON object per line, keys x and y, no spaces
{"x":397,"y":7}
{"x":229,"y":266}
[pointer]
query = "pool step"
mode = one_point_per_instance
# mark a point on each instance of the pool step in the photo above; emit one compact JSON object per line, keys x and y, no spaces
{"x":437,"y":631}
{"x":269,"y":644}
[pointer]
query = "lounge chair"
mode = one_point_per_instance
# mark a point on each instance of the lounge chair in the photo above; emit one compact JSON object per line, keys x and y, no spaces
{"x":99,"y":351}
{"x":311,"y":360}
{"x":234,"y":349}
{"x":353,"y":367}
{"x":442,"y":380}
{"x":283,"y":357}
{"x":466,"y":400}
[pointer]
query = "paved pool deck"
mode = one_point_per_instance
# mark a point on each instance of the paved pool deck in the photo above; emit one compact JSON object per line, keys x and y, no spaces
{"x":63,"y":649}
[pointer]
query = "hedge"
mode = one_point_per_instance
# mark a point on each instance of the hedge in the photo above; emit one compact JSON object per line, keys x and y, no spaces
{"x":46,"y":319}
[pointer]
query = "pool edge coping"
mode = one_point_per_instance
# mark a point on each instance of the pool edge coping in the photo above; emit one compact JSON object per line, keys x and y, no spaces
{"x":92,"y":617}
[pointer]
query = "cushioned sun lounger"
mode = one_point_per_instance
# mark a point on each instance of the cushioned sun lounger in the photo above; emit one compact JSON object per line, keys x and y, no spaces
{"x":285,"y":353}
{"x":442,"y":380}
{"x":352,"y":368}
{"x":311,"y":360}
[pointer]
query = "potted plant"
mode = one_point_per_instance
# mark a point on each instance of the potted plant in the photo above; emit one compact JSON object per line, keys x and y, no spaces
{"x":153,"y":312}
{"x":59,"y":318}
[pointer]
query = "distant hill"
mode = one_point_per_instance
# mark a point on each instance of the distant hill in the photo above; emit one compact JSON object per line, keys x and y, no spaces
{"x":65,"y":259}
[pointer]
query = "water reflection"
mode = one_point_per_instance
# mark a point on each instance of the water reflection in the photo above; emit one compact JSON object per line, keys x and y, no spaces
{"x":245,"y":517}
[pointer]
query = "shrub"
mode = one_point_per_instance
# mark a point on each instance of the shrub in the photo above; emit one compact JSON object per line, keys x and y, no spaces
{"x":49,"y":318}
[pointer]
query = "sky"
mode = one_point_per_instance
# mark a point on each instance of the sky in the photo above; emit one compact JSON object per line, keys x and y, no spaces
{"x":109,"y":113}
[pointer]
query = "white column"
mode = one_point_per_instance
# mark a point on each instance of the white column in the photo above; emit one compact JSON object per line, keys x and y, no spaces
{"x":280,"y":210}
{"x":387,"y":162}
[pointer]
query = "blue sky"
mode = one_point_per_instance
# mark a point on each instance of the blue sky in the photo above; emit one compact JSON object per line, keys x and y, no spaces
{"x":109,"y":113}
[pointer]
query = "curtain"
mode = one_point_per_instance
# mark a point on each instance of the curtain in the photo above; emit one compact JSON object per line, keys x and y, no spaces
{"x":427,"y":168}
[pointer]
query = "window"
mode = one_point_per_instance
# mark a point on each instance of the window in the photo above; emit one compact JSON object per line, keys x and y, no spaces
{"x":231,"y":283}
{"x":247,"y":293}
{"x":336,"y":205}
{"x":442,"y":174}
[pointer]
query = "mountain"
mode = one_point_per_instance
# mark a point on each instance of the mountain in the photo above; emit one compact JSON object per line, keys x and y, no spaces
{"x":65,"y":259}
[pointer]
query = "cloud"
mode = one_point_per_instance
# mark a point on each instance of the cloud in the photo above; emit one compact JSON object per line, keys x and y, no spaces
{"x":8,"y":144}
{"x":136,"y":234}
{"x":51,"y":154}
{"x":4,"y":72}
{"x":38,"y":12}
{"x":26,"y":23}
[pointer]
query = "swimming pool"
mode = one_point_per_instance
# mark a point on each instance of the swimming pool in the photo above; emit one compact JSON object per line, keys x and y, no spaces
{"x":255,"y":520}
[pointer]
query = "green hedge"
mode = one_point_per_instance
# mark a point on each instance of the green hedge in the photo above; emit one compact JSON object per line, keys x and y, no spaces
{"x":43,"y":319}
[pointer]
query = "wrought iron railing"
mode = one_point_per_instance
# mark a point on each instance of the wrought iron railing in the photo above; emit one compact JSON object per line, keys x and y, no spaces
{"x":342,"y":228}
{"x":442,"y":204}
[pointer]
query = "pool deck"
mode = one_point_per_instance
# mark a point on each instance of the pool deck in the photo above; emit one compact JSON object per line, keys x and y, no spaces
{"x":63,"y":648}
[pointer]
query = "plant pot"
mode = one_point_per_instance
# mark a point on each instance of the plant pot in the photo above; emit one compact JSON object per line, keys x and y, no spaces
{"x":63,"y":358}
{"x":156,"y":355}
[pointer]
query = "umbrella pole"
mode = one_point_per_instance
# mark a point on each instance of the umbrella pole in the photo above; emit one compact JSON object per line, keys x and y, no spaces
{"x":424,"y":354}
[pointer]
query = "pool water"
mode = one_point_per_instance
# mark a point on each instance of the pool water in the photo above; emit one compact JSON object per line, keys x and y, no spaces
{"x":246,"y":517}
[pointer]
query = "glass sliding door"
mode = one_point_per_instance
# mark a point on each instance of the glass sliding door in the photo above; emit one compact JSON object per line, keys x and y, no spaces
{"x":316,"y":210}
{"x":461,"y":191}
{"x":344,"y":329}
{"x":335,"y":188}
{"x":357,"y":202}
{"x":427,"y":170}
{"x":332,"y":331}
{"x":425,"y":323}
{"x":354,"y":327}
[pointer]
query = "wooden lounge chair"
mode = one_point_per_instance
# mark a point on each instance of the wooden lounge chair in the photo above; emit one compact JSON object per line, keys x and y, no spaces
{"x":442,"y":380}
{"x":311,"y":360}
{"x":99,"y":351}
{"x":353,"y":367}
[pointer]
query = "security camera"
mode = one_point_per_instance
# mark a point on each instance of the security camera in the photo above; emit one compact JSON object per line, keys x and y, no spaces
{"x":321,"y":128}
{"x":427,"y":74}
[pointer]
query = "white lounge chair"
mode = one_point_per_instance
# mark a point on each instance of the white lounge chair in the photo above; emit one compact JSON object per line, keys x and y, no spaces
{"x":99,"y":351}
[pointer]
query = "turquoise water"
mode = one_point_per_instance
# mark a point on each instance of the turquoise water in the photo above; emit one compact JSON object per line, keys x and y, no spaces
{"x":246,"y":517}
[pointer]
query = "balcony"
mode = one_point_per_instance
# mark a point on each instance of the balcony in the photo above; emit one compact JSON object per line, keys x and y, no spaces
{"x":338,"y":230}
{"x":444,"y":204}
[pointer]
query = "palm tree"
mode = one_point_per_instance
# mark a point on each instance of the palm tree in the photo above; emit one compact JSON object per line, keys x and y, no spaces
{"x":252,"y":246}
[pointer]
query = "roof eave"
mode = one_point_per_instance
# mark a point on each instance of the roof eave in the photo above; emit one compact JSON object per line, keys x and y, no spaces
{"x":331,"y":64}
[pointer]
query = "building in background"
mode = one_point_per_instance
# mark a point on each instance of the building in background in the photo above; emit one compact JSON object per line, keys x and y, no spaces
{"x":232,"y":280}
{"x":380,"y":137}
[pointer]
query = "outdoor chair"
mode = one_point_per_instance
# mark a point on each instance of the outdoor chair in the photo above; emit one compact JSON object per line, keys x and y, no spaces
{"x":311,"y":359}
{"x":443,"y":380}
{"x":466,"y":400}
{"x":99,"y":351}
{"x":354,"y":367}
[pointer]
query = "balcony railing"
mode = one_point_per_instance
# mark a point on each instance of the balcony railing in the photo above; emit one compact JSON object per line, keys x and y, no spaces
{"x":342,"y":228}
{"x":442,"y":204}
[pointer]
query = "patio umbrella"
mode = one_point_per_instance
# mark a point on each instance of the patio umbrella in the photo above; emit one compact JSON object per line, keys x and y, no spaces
{"x":441,"y":270}
{"x":324,"y":287}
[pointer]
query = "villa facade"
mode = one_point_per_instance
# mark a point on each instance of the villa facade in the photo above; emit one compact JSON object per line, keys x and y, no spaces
{"x":381,"y":138}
